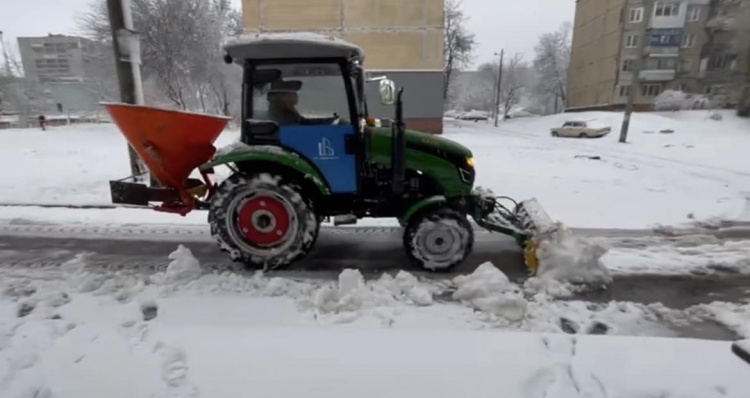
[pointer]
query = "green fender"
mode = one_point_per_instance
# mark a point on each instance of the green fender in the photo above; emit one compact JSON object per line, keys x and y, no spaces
{"x":416,"y":207}
{"x":273,"y":154}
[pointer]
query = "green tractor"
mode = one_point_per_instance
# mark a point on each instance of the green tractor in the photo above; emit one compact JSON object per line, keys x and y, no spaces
{"x":309,"y":152}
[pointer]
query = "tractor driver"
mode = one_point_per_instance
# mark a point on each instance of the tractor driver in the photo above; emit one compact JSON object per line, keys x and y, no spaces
{"x":282,"y":102}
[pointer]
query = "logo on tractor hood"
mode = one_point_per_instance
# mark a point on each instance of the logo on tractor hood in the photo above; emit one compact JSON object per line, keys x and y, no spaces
{"x":325,"y":149}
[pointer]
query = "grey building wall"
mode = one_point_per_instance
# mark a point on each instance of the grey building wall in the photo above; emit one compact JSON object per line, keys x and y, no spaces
{"x":423,"y":96}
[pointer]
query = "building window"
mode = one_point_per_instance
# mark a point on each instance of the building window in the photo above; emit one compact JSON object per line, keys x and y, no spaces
{"x":720,"y":62}
{"x":627,"y":65}
{"x":665,"y":37}
{"x":631,"y":41}
{"x":667,"y":9}
{"x":624,"y":91}
{"x":651,"y":90}
{"x":688,"y":40}
{"x":663,"y":63}
{"x":636,"y":15}
{"x":694,"y":14}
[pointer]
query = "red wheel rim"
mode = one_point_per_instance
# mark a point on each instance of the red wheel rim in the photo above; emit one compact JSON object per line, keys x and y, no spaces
{"x":264,"y":221}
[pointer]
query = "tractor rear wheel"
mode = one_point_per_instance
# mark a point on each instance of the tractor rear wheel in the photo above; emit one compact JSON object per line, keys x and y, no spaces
{"x":262,"y":220}
{"x":438,"y":239}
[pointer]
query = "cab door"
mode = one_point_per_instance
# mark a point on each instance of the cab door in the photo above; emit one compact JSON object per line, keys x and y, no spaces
{"x":326,"y":130}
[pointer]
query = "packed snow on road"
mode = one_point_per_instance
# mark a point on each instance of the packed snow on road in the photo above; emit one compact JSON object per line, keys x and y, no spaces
{"x":73,"y":331}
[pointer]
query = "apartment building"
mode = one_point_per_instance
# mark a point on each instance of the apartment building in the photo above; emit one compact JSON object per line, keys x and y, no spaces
{"x":60,"y":58}
{"x":682,"y":51}
{"x":70,"y":71}
{"x":403,"y":39}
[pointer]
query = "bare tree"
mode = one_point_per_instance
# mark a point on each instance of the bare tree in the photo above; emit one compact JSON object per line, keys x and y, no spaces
{"x":459,"y":42}
{"x":551,"y":62}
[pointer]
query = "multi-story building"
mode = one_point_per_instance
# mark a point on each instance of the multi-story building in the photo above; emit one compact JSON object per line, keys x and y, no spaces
{"x":60,"y":58}
{"x":70,"y":70}
{"x":403,"y":39}
{"x":682,"y":51}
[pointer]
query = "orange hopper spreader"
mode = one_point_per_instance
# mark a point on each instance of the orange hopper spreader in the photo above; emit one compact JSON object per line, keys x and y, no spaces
{"x":172,"y":144}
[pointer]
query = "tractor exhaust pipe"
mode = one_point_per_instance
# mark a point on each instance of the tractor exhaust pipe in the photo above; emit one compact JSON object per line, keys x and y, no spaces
{"x":398,"y":153}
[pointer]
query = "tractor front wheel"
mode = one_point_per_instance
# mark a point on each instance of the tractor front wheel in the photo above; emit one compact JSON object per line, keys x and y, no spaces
{"x":262,"y":220}
{"x":438,"y":239}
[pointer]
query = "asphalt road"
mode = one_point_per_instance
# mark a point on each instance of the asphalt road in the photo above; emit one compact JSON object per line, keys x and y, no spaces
{"x":372,"y":251}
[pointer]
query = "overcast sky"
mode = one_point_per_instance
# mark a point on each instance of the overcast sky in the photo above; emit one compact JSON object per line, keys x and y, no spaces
{"x":510,"y":24}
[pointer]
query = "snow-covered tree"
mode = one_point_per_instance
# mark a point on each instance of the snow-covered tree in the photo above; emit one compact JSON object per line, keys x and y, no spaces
{"x":181,"y":48}
{"x":458,"y":45}
{"x":551,"y":62}
{"x":516,"y":79}
{"x":740,"y":26}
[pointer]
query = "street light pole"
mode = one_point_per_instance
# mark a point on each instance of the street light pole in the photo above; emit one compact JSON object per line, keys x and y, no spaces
{"x":499,"y":85}
{"x":635,"y":85}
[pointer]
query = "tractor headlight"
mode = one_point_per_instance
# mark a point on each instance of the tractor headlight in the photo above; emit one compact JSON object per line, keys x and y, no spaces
{"x":470,"y":162}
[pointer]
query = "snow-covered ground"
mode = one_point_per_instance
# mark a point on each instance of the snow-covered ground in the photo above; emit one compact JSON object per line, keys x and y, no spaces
{"x":699,"y":172}
{"x":73,"y":331}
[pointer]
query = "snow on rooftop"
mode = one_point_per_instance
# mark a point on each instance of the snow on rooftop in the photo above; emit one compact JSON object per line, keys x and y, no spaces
{"x":290,"y":45}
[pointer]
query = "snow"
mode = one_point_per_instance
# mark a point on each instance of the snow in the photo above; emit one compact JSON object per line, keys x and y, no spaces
{"x":487,"y":289}
{"x":699,"y":172}
{"x":282,"y":339}
{"x":565,"y":257}
{"x":183,"y":268}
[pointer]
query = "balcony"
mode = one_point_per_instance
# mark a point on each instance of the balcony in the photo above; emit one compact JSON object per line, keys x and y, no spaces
{"x":658,"y":75}
{"x":669,"y":16}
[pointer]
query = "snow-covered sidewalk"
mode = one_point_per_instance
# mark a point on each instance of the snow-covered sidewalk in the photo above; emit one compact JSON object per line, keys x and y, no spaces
{"x":73,"y":332}
{"x":697,"y":173}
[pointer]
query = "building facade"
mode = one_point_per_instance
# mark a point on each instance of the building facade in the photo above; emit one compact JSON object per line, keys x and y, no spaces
{"x":72,"y":73}
{"x":683,"y":51}
{"x":402,"y":39}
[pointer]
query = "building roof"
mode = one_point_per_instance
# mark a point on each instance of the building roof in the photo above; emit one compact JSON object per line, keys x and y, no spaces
{"x":291,"y":45}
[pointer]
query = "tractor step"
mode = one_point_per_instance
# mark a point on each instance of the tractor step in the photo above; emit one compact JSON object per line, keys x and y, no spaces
{"x":345,"y":219}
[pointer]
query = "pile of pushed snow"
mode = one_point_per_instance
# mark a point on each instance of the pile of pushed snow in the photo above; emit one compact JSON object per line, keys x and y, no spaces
{"x":353,"y":293}
{"x":184,"y":266}
{"x":565,"y":257}
{"x":489,"y":290}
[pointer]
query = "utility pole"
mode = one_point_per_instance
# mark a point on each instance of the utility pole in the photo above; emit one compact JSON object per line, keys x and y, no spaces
{"x":635,"y":85}
{"x":127,"y":64}
{"x":499,"y":85}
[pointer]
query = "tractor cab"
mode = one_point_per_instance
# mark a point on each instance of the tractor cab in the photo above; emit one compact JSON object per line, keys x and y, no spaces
{"x":305,"y":93}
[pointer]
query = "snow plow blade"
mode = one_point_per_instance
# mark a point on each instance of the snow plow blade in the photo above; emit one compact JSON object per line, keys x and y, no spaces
{"x":526,"y":221}
{"x":171,"y":144}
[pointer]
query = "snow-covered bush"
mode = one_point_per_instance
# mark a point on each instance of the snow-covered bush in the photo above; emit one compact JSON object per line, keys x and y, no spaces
{"x":672,"y":100}
{"x":675,"y":100}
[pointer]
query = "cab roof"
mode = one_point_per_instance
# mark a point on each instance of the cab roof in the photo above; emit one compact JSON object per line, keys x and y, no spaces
{"x":289,"y":46}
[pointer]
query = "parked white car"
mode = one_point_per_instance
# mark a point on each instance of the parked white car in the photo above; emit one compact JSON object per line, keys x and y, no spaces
{"x":474,"y":115}
{"x":580,"y":129}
